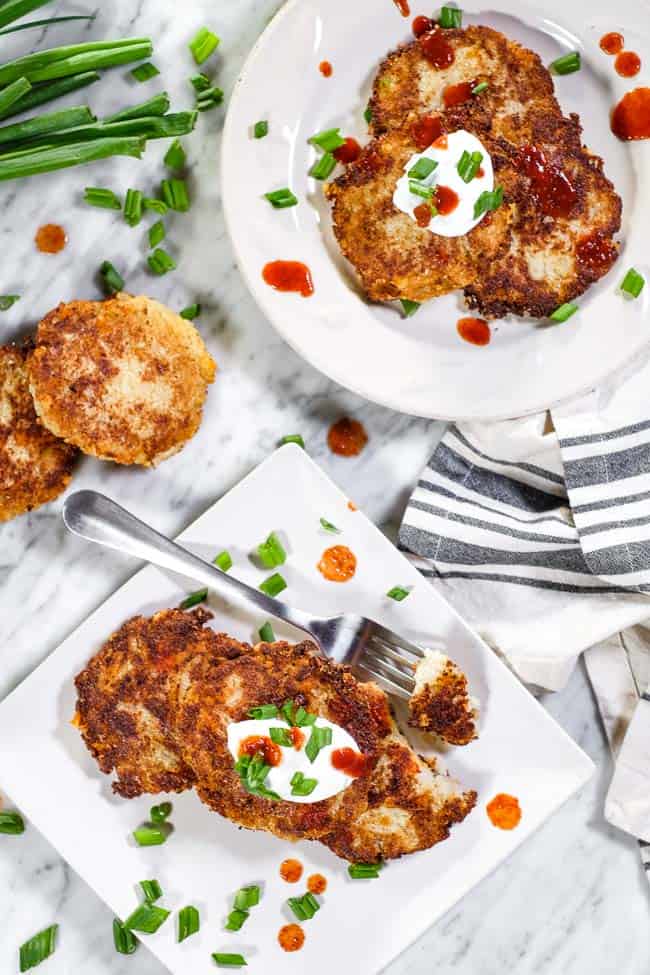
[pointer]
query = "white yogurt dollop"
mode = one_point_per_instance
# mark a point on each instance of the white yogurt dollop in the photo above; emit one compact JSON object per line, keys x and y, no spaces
{"x":461,"y":220}
{"x":330,"y":780}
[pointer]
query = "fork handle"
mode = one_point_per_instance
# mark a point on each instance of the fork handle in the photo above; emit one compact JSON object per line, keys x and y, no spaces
{"x":96,"y":518}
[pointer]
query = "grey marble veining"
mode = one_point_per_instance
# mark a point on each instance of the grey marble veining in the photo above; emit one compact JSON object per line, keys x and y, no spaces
{"x":573,"y":900}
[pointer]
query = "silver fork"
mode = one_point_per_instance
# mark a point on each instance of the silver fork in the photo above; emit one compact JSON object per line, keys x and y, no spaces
{"x":386,"y":657}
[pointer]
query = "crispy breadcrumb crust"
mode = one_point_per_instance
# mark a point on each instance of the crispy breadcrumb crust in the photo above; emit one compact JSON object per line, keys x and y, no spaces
{"x":443,"y":707}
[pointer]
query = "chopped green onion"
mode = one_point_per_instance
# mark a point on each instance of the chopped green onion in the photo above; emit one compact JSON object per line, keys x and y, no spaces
{"x":409,"y":308}
{"x":229,"y":961}
{"x":47,"y":93}
{"x":247,"y":897}
{"x":253,"y":772}
{"x":174,"y":193}
{"x":368,"y":114}
{"x":150,"y":836}
{"x":156,"y":233}
{"x":297,"y":716}
{"x":152,"y":890}
{"x":200,"y":82}
{"x":281,"y":199}
{"x":11,"y":823}
{"x":268,"y":636}
{"x":422,"y":169}
{"x":133,"y":207}
{"x":159,"y":814}
{"x":38,"y":948}
{"x":564,"y":312}
{"x":35,"y":160}
{"x":304,"y":907}
{"x":271,"y":553}
{"x":158,"y":206}
{"x":488,"y":201}
{"x":190,"y":313}
{"x":209,"y":98}
{"x":323,"y":167}
{"x":567,"y":64}
{"x":145,"y":71}
{"x":274,"y":585}
{"x":194,"y":599}
{"x":158,"y":105}
{"x":112,"y":279}
{"x":633,"y":283}
{"x":203,"y":45}
{"x":469,"y":165}
{"x":236,"y":920}
{"x":420,"y":189}
{"x":319,"y":738}
{"x":175,"y":157}
{"x":146,"y":918}
{"x":160,"y":262}
{"x":292,"y":438}
{"x":329,"y":527}
{"x":189,"y":922}
{"x":451,"y":17}
{"x":98,"y":197}
{"x":328,"y":140}
{"x":398,"y":593}
{"x":264,"y":711}
{"x":223,"y":559}
{"x":281,"y":736}
{"x":6,"y":301}
{"x":364,"y":871}
{"x":482,"y":86}
{"x":301,"y":786}
{"x":124,"y":940}
{"x":260,"y":129}
{"x":15,"y":91}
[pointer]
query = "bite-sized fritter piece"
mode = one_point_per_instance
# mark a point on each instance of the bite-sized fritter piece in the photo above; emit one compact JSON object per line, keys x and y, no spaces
{"x":399,"y":805}
{"x":127,"y":697}
{"x":123,"y":379}
{"x":441,"y":704}
{"x":35,"y":466}
{"x":394,"y":257}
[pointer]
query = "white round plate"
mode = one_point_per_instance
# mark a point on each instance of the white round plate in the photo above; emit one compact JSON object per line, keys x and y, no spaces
{"x":420,"y":365}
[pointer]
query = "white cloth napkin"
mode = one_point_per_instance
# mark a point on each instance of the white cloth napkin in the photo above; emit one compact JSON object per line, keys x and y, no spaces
{"x":537,"y":530}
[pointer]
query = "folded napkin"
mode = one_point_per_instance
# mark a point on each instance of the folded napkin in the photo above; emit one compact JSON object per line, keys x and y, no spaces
{"x":537,"y":530}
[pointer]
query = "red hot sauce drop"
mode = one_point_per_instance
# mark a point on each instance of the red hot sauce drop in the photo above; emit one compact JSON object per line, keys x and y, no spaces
{"x":325,"y":69}
{"x":437,"y":50}
{"x":291,"y":871}
{"x":476,"y":331}
{"x":403,"y":7}
{"x":422,"y":25}
{"x":289,"y":276}
{"x":316,"y":884}
{"x":631,"y":117}
{"x":446,"y":200}
{"x":627,"y":64}
{"x":291,"y":937}
{"x":51,"y":238}
{"x":347,"y":437}
{"x":612,"y":43}
{"x":426,"y":131}
{"x":349,"y":152}
{"x":422,"y":214}
{"x":348,"y":761}
{"x":458,"y":94}
{"x":261,"y":745}
{"x":552,"y":188}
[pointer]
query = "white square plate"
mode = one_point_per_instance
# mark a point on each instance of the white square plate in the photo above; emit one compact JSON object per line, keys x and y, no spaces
{"x":51,"y":777}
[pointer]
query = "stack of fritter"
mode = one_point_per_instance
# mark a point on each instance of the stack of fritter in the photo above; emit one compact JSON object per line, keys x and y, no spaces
{"x":530,"y":256}
{"x":156,"y":701}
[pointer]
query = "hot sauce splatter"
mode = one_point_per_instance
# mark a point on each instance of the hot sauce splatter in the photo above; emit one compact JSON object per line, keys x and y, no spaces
{"x":422,"y":25}
{"x":261,"y":745}
{"x":352,"y":506}
{"x":289,"y":276}
{"x":627,"y":64}
{"x":297,"y":737}
{"x":349,"y":152}
{"x":446,"y":200}
{"x":51,"y":238}
{"x":338,"y":564}
{"x":325,"y":69}
{"x":291,"y":871}
{"x":553,"y":190}
{"x":612,"y":43}
{"x":347,"y":437}
{"x":349,"y":761}
{"x":476,"y":331}
{"x":426,"y":131}
{"x":596,"y":252}
{"x":291,"y":937}
{"x":437,"y":50}
{"x":403,"y":7}
{"x":631,"y":117}
{"x":458,"y":94}
{"x":316,"y":884}
{"x":504,"y":811}
{"x":422,"y":214}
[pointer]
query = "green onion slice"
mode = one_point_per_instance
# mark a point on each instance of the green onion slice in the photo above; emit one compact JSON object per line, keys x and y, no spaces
{"x":189,"y":922}
{"x":97,"y":196}
{"x":633,"y":283}
{"x":229,"y":960}
{"x":147,"y":918}
{"x":304,"y":907}
{"x":398,"y":593}
{"x":451,"y":17}
{"x":281,"y":736}
{"x":422,"y":169}
{"x":174,"y":193}
{"x":274,"y":585}
{"x":11,"y":823}
{"x":111,"y":278}
{"x":368,"y":114}
{"x":567,"y":64}
{"x":329,"y":527}
{"x":323,"y":167}
{"x":158,"y":206}
{"x":328,"y":140}
{"x":482,"y":86}
{"x":469,"y":165}
{"x":194,"y":599}
{"x":200,"y":82}
{"x":281,"y":199}
{"x":156,"y":233}
{"x":488,"y":200}
{"x":152,"y":890}
{"x":190,"y":313}
{"x":223,"y":559}
{"x":564,"y":312}
{"x":264,"y":711}
{"x":124,"y":940}
{"x":160,"y":262}
{"x":209,"y":98}
{"x":145,"y":71}
{"x":150,"y":835}
{"x":261,"y":129}
{"x":175,"y":157}
{"x":247,"y":897}
{"x":271,"y":553}
{"x":253,"y":772}
{"x":159,"y":814}
{"x":420,"y":189}
{"x":268,"y":636}
{"x":297,"y":716}
{"x":204,"y":43}
{"x":6,"y":301}
{"x":292,"y":438}
{"x":236,"y":920}
{"x":364,"y":871}
{"x":302,"y":786}
{"x":133,"y":207}
{"x":409,"y":308}
{"x":319,"y":738}
{"x":38,"y":948}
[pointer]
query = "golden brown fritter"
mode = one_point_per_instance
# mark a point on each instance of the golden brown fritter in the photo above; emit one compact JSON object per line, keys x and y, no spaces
{"x":394,"y":257}
{"x":123,"y":379}
{"x":441,"y":704}
{"x":35,"y":466}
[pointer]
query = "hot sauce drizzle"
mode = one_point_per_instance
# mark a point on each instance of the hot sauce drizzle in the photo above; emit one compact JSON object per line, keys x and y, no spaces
{"x":627,"y":64}
{"x":51,"y":238}
{"x":504,"y":811}
{"x":631,"y":117}
{"x":347,"y":437}
{"x":446,"y":200}
{"x":422,"y":25}
{"x":349,"y":152}
{"x":596,"y":252}
{"x":338,"y":564}
{"x":552,"y":188}
{"x":476,"y":331}
{"x":350,"y":762}
{"x":612,"y":43}
{"x":261,"y":745}
{"x":316,"y":884}
{"x":426,"y":131}
{"x":458,"y":94}
{"x":403,"y":7}
{"x":436,"y":49}
{"x":325,"y":69}
{"x":291,"y":871}
{"x":289,"y":276}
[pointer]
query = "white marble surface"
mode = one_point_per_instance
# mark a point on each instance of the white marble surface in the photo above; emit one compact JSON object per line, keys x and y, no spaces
{"x":573,"y":899}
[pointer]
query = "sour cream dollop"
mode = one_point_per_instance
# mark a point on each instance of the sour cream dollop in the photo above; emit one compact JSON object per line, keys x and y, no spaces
{"x":330,"y":780}
{"x":461,"y":220}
